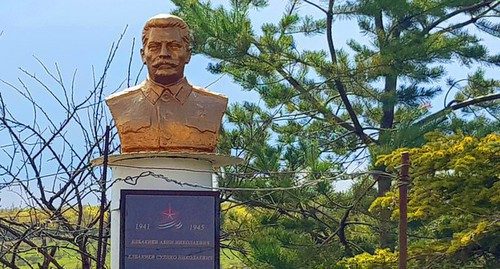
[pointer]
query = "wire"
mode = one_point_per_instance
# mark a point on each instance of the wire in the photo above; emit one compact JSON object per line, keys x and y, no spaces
{"x":133,"y":180}
{"x":255,"y":174}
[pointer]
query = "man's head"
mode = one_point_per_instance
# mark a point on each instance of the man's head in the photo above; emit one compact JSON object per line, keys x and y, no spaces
{"x":166,"y":48}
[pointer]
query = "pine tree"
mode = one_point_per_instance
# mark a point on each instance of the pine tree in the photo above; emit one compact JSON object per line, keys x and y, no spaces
{"x":324,"y":108}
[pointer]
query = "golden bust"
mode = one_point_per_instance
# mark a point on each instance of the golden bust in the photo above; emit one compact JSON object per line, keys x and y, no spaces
{"x":165,"y":112}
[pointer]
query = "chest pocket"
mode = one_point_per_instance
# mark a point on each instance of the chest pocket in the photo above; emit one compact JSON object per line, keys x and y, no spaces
{"x":134,"y":126}
{"x":202,"y":120}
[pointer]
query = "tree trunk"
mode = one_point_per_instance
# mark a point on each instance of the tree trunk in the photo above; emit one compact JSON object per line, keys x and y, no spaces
{"x":389,"y":99}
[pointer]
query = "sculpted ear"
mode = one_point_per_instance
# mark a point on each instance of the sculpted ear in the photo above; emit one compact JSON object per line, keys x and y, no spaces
{"x":188,"y":58}
{"x":142,"y":56}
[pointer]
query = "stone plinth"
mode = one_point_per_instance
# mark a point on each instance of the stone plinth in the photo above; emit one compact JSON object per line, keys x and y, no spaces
{"x":164,"y":171}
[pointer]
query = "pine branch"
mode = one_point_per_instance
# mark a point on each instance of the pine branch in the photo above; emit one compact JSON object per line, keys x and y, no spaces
{"x":467,"y":22}
{"x":452,"y":107}
{"x":316,"y":5}
{"x":358,"y":129}
{"x":457,"y":12}
{"x":473,"y":101}
{"x":316,"y":103}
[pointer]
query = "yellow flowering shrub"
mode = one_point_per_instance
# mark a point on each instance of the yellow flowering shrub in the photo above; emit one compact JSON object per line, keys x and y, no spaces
{"x":454,"y":197}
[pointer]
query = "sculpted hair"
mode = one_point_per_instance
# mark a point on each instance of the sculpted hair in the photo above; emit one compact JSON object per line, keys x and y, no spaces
{"x":166,"y":21}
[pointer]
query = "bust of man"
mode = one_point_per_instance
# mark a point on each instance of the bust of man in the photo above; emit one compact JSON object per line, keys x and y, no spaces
{"x":165,"y":112}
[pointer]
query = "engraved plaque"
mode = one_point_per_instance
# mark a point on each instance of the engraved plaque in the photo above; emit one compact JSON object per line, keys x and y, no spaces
{"x":169,"y":229}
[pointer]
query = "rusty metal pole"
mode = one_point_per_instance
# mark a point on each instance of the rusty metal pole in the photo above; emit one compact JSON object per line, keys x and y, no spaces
{"x":403,"y":210}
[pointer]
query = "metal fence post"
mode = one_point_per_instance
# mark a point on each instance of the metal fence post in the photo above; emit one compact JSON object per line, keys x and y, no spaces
{"x":403,"y":210}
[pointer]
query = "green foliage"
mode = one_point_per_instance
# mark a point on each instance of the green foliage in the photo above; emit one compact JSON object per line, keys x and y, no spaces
{"x":407,"y":48}
{"x":322,"y":109}
{"x":381,"y":259}
{"x":453,"y":204}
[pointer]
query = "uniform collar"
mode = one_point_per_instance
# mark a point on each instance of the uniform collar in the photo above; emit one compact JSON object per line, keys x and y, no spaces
{"x":179,"y":90}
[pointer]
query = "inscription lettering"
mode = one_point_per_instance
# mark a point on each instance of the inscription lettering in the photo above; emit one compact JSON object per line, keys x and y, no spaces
{"x":142,"y":226}
{"x":140,"y":257}
{"x":170,"y":230}
{"x":170,"y":242}
{"x":144,"y":242}
{"x":170,"y":257}
{"x":197,"y":227}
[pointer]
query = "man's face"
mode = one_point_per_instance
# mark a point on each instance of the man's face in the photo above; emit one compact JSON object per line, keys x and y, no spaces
{"x":165,"y":55}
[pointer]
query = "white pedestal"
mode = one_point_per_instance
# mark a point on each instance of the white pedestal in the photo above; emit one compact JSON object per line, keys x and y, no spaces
{"x":179,"y":168}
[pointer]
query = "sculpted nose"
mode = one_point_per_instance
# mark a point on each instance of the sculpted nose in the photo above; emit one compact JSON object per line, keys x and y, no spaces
{"x":164,"y":50}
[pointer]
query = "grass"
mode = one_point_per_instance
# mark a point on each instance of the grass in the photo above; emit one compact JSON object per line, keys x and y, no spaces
{"x":67,"y":259}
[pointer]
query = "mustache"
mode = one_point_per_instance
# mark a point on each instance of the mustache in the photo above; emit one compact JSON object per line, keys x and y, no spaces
{"x":159,"y":62}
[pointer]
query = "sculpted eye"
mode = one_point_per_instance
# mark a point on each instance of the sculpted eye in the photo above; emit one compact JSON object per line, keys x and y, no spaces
{"x":153,"y":46}
{"x":175,"y":46}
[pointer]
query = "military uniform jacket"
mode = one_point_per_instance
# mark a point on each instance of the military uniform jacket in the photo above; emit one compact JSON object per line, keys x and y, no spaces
{"x":153,"y":118}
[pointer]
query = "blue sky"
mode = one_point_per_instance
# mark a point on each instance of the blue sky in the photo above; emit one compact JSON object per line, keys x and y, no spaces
{"x":78,"y":34}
